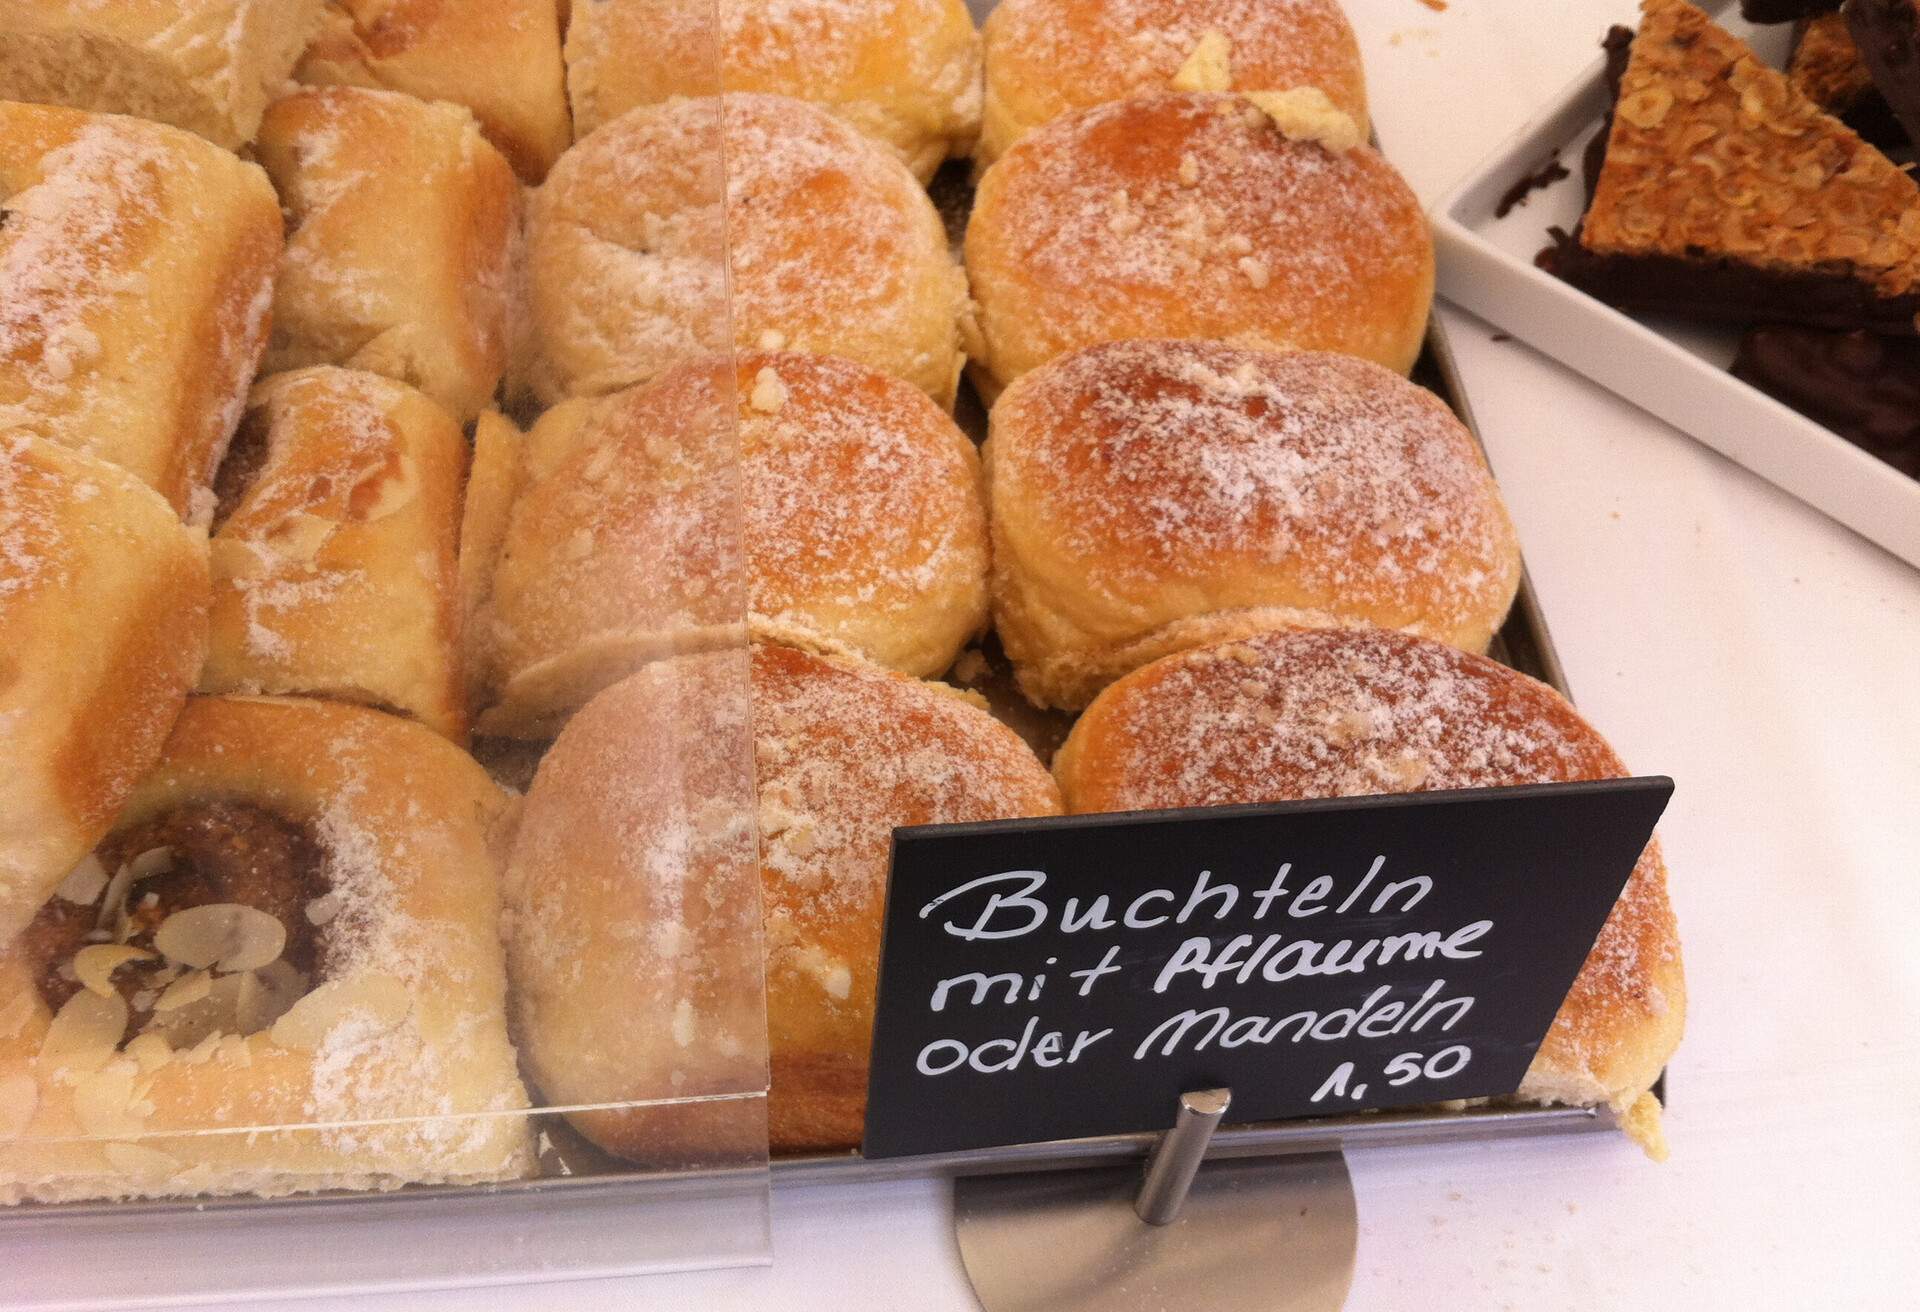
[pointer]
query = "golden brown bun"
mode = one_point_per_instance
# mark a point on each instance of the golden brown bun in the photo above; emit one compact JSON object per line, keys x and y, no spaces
{"x":611,"y":544}
{"x":494,"y":477}
{"x":499,"y":58}
{"x":403,"y":225}
{"x":1193,"y":216}
{"x":843,"y":752}
{"x":209,"y":66}
{"x":855,"y":499}
{"x":103,"y":601}
{"x":334,"y":567}
{"x":832,"y":247}
{"x":407,"y":1020}
{"x":1149,"y":496}
{"x":1338,"y":713}
{"x":633,"y":917}
{"x":136,"y":270}
{"x":905,"y":72}
{"x":1045,"y":58}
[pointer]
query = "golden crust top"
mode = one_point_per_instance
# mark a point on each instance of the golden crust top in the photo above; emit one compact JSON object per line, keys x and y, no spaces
{"x":404,"y":224}
{"x":103,"y":604}
{"x":1193,"y":215}
{"x":334,"y":569}
{"x":633,"y":912}
{"x":1046,"y":58}
{"x":905,"y":72}
{"x":855,"y":500}
{"x":136,"y":272}
{"x":499,"y":58}
{"x":1712,"y":152}
{"x":831,"y":245}
{"x":1337,"y":713}
{"x":1140,"y":483}
{"x":844,"y":754}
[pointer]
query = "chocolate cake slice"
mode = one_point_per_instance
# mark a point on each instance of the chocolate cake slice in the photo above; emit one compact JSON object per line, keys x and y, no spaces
{"x":1863,"y":387}
{"x":1784,"y":11}
{"x":1888,"y":35}
{"x":1725,"y":194}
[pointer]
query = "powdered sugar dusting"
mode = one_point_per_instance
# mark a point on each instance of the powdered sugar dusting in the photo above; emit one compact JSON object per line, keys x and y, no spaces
{"x":863,"y":510}
{"x":827,"y":241}
{"x":903,"y":71}
{"x":1091,"y":230}
{"x":845,"y":754}
{"x":1047,"y":56}
{"x":68,"y":261}
{"x":28,"y":521}
{"x":855,"y":497}
{"x":367,"y":1067}
{"x":1151,"y":463}
{"x":1281,"y":716}
{"x":1328,"y":714}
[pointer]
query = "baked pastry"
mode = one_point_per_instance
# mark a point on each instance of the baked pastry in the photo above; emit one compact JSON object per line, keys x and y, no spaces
{"x":103,"y":601}
{"x":1887,"y":34}
{"x":1864,"y":387}
{"x":209,"y":66}
{"x":1726,"y":194}
{"x":1149,"y":496}
{"x":905,"y":72}
{"x":1338,"y":713}
{"x":403,"y":223}
{"x":294,"y":925}
{"x":831,"y":246}
{"x":1197,"y":215}
{"x":494,"y":479}
{"x":334,"y":548}
{"x":136,"y":268}
{"x":499,"y":58}
{"x":633,"y":924}
{"x":854,"y":499}
{"x":1045,"y":58}
{"x":843,"y":753}
{"x":1826,"y":66}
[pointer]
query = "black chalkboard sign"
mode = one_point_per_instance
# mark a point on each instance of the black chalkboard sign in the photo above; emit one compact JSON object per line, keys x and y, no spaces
{"x":1054,"y":979}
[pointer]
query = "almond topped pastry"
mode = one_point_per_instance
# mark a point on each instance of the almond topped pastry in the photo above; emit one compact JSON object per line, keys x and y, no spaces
{"x":1725,"y":193}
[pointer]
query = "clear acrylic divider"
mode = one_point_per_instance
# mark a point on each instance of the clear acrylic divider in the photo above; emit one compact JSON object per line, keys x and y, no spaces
{"x":338,"y":1001}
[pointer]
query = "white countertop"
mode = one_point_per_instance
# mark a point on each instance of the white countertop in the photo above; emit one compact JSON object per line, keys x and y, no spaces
{"x":1719,"y":632}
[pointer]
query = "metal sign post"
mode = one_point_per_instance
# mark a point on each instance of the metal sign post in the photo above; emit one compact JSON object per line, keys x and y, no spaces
{"x":1268,"y":1235}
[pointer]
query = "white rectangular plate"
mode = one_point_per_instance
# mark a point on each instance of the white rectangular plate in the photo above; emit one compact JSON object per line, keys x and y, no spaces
{"x":1677,"y":371}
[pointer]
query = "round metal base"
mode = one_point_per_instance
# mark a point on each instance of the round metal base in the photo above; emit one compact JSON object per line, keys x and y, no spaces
{"x":1267,"y":1235}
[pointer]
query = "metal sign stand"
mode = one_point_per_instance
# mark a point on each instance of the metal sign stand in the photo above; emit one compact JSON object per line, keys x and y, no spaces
{"x":1265,"y":1235}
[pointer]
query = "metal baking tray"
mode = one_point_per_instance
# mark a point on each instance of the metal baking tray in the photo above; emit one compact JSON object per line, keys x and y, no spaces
{"x":583,"y":1193}
{"x":576,"y":1169}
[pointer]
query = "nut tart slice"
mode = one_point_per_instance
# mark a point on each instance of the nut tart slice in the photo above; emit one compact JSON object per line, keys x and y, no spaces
{"x":1723,"y":193}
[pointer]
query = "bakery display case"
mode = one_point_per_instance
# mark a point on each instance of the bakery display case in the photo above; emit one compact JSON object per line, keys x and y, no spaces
{"x":480,"y":594}
{"x":355,"y":863}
